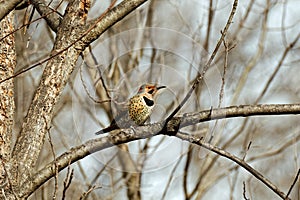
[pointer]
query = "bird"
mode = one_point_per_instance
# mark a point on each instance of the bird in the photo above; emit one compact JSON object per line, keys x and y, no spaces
{"x":138,"y":111}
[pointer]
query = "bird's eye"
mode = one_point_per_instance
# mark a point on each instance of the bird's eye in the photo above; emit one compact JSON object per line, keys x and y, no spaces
{"x":151,"y":91}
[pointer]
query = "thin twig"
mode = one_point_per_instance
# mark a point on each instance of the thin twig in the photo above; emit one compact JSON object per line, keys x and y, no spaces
{"x":39,"y":18}
{"x":85,"y":194}
{"x":209,"y":25}
{"x":293,"y":184}
{"x":207,"y":65}
{"x":56,"y":167}
{"x":100,"y":73}
{"x":54,"y":54}
{"x":221,"y":94}
{"x":186,"y":170}
{"x":284,"y":55}
{"x":104,"y":167}
{"x":171,"y":176}
{"x":244,"y":191}
{"x":67,"y":181}
{"x":238,"y":161}
{"x":87,"y":91}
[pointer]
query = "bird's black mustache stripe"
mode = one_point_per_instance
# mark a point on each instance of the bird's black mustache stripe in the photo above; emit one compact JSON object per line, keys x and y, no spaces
{"x":148,"y":101}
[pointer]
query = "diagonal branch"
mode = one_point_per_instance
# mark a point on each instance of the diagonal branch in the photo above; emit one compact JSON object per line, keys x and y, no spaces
{"x":293,"y":184}
{"x":126,"y":135}
{"x":239,"y":161}
{"x":61,"y":63}
{"x":7,"y":6}
{"x":52,"y":18}
{"x":93,"y":32}
{"x":208,"y":64}
{"x":55,"y":76}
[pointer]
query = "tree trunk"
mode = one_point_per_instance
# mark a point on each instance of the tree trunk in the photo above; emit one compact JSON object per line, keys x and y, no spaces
{"x":7,"y":105}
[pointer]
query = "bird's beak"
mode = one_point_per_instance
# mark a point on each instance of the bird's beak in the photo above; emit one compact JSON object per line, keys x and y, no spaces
{"x":161,"y":87}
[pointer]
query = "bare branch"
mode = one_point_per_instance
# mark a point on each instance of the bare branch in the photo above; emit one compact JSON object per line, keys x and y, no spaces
{"x":207,"y":65}
{"x":293,"y":184}
{"x":67,"y":181}
{"x":7,"y":6}
{"x":109,"y":18}
{"x":244,"y":191}
{"x":31,"y":139}
{"x":240,"y":162}
{"x":285,"y":53}
{"x":52,"y":18}
{"x":127,"y":135}
{"x":56,"y":167}
{"x":171,"y":176}
{"x":85,"y":194}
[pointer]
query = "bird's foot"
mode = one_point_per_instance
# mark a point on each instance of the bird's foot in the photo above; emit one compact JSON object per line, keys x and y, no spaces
{"x":133,"y":128}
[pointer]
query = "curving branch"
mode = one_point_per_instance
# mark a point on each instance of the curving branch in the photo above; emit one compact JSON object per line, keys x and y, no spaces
{"x":110,"y":17}
{"x":55,"y":76}
{"x":52,"y":18}
{"x":200,"y":76}
{"x":238,"y":161}
{"x":7,"y":6}
{"x":72,"y":38}
{"x":127,"y":135}
{"x":88,"y":34}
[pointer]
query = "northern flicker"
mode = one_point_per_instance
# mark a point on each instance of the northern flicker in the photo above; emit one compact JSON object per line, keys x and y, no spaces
{"x":139,"y":109}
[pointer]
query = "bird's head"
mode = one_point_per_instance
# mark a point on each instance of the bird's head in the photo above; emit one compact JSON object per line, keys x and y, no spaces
{"x":149,"y":90}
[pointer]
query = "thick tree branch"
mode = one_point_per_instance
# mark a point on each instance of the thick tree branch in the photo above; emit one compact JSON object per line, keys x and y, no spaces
{"x":99,"y":26}
{"x":128,"y":135}
{"x":67,"y":48}
{"x":240,"y":111}
{"x":7,"y":66}
{"x":7,"y":104}
{"x":7,"y":6}
{"x":52,"y":18}
{"x":55,"y":21}
{"x":109,"y":18}
{"x":55,"y":76}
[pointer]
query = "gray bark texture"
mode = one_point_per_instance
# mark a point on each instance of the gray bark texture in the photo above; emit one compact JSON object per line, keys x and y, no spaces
{"x":72,"y":37}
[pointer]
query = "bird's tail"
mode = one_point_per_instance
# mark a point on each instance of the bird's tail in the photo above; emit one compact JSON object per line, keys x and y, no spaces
{"x":107,"y":129}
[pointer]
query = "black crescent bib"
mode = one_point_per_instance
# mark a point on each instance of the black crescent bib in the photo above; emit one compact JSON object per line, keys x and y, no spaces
{"x":148,"y":101}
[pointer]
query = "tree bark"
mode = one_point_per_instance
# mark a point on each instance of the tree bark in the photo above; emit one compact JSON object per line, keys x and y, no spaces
{"x":73,"y":36}
{"x":7,"y":6}
{"x":55,"y":76}
{"x":7,"y":105}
